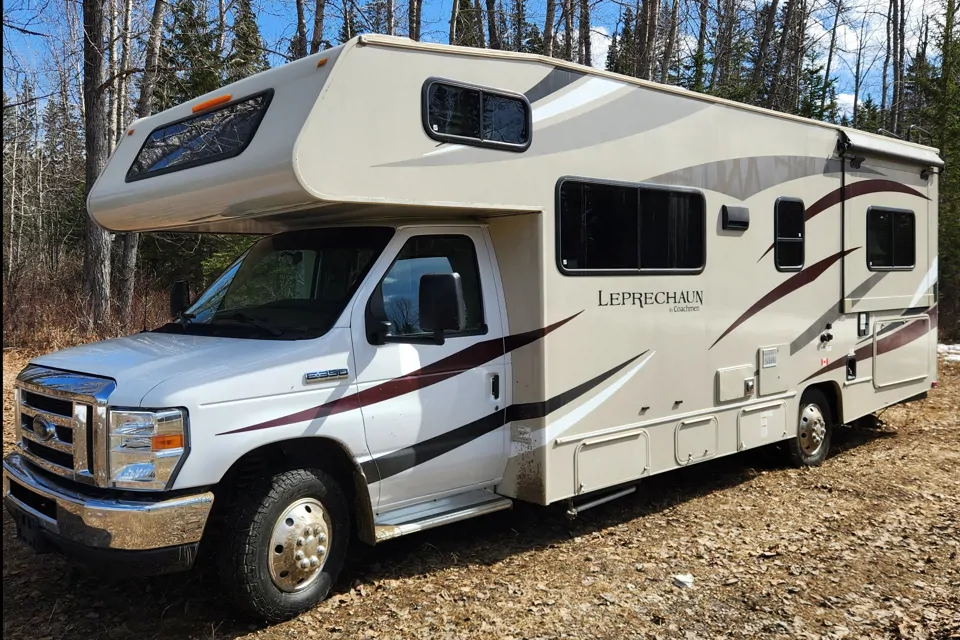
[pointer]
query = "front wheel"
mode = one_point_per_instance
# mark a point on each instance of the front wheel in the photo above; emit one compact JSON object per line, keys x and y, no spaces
{"x":812,"y":443}
{"x":285,"y":544}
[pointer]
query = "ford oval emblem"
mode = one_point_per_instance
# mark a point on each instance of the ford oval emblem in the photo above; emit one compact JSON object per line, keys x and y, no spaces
{"x":42,"y":428}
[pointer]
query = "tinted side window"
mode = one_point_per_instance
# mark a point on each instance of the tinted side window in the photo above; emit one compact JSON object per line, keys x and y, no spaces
{"x":397,"y":297}
{"x":891,"y":239}
{"x":605,"y":227}
{"x":477,"y":116}
{"x":788,"y":229}
{"x":454,"y":111}
{"x":598,"y":227}
{"x":671,"y":230}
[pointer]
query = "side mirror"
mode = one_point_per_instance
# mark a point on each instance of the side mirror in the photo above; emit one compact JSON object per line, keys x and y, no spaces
{"x":179,"y":298}
{"x":441,"y":304}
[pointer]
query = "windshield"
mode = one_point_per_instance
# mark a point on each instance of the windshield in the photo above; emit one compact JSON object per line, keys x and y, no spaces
{"x":288,"y":286}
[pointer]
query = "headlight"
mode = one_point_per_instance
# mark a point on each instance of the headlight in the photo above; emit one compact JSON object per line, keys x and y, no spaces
{"x":145,"y":447}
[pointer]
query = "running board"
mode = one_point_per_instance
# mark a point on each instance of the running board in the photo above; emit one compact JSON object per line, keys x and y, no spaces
{"x":435,"y":513}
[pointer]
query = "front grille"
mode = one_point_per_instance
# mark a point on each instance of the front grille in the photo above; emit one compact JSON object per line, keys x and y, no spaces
{"x":59,"y":458}
{"x":62,"y":417}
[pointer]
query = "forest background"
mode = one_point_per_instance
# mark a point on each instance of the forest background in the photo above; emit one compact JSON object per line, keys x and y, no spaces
{"x":75,"y":72}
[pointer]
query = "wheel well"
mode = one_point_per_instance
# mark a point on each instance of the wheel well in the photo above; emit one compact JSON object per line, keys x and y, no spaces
{"x":303,"y":453}
{"x":830,"y":390}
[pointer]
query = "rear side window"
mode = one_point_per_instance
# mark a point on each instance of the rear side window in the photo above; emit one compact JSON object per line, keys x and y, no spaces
{"x":788,"y":230}
{"x":477,"y":116}
{"x":891,"y":239}
{"x":621,"y":229}
{"x":209,"y":137}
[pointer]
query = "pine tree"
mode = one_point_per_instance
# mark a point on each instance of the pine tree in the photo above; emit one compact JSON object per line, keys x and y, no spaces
{"x":247,"y":55}
{"x":189,"y":65}
{"x":350,"y":26}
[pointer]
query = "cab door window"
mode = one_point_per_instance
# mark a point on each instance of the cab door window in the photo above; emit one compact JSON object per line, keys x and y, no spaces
{"x":396,"y":298}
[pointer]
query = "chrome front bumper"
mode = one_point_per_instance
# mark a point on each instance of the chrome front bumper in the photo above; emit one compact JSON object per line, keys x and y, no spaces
{"x":64,"y":512}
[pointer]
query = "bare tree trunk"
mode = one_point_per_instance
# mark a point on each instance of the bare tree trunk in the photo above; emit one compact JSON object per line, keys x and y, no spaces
{"x":221,"y":26}
{"x":123,"y":83}
{"x":478,"y":23}
{"x":586,"y":56}
{"x":568,"y":30}
{"x":131,"y":241}
{"x":895,"y":50}
{"x":317,"y":39}
{"x":764,"y":45}
{"x":699,"y":63}
{"x":886,"y":63}
{"x":13,"y":193}
{"x":649,"y":54}
{"x":901,"y":39}
{"x":548,"y":35}
{"x":391,"y":26}
{"x":453,"y":21}
{"x":97,"y":254}
{"x":112,"y":74}
{"x":858,"y":72}
{"x":298,"y":48}
{"x":833,"y":44}
{"x":781,"y":54}
{"x":668,"y":49}
{"x":413,"y":19}
{"x":495,"y":41}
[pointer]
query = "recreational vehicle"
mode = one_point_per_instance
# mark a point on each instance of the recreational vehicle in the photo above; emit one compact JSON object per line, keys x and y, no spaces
{"x":483,"y":277}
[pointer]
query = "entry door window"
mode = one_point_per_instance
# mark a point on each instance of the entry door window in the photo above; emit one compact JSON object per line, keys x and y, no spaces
{"x":397,"y":298}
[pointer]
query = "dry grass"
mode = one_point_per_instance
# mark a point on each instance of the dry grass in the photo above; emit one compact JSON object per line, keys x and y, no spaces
{"x":46,"y":311}
{"x":866,"y":546}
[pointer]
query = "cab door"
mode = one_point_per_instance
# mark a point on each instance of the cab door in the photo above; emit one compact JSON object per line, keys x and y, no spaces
{"x":433,"y":413}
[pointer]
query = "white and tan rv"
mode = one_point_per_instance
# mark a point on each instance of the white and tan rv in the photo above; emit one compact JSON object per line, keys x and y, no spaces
{"x":486,"y":277}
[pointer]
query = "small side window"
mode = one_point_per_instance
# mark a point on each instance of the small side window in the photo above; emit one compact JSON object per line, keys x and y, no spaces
{"x":477,"y":116}
{"x":891,"y":239}
{"x":397,"y":297}
{"x":788,"y":230}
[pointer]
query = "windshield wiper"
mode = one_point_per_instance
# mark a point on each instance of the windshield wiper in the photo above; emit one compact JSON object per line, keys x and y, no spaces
{"x":245,"y":318}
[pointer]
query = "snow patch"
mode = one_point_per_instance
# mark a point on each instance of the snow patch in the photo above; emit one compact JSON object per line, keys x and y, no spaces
{"x":949,"y":352}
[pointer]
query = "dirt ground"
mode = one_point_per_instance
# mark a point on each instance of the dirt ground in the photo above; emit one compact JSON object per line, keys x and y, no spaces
{"x":866,"y":546}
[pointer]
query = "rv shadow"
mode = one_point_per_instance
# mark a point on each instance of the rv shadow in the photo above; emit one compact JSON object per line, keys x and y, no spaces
{"x":526,"y":527}
{"x":45,"y":596}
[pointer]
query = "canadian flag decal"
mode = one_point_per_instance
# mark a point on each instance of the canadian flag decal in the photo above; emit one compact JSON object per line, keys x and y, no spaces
{"x":824,"y":362}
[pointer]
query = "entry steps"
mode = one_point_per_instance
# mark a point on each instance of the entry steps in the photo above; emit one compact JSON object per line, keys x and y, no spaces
{"x":427,"y":515}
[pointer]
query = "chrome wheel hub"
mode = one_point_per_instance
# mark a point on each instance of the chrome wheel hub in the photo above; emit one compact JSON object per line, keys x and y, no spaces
{"x":813,"y":429}
{"x":299,"y":545}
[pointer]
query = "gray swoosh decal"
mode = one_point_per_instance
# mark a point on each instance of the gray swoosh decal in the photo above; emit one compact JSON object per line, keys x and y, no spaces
{"x":554,"y":81}
{"x":832,"y":315}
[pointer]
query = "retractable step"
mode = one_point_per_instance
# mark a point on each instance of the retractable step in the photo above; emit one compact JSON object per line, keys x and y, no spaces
{"x":427,"y":515}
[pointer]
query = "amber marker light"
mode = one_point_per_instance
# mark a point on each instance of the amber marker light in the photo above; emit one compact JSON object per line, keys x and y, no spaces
{"x":212,"y":102}
{"x":167,"y":441}
{"x":130,"y":132}
{"x":321,"y":62}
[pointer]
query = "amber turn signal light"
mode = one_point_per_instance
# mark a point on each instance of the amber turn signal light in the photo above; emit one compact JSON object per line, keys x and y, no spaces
{"x":167,"y":441}
{"x":212,"y":102}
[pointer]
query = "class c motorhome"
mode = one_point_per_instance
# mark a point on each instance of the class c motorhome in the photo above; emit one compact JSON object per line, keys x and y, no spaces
{"x":484,"y":277}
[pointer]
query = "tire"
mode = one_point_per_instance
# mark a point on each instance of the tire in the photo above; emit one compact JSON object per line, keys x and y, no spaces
{"x":811,"y":445}
{"x":273,"y":529}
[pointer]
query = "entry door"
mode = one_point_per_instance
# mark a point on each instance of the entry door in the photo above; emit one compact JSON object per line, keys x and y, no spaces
{"x":432,"y":413}
{"x":886,"y":227}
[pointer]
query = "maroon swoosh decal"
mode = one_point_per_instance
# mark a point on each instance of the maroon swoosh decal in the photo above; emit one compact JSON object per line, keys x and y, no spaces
{"x":785,"y":288}
{"x":884,"y":345}
{"x":855,"y":189}
{"x":443,"y":369}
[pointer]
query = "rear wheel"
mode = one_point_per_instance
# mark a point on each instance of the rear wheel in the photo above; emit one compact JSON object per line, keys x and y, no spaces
{"x":814,"y":425}
{"x":284,"y":544}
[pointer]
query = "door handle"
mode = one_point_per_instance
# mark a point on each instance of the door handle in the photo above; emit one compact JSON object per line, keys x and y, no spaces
{"x":495,"y":386}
